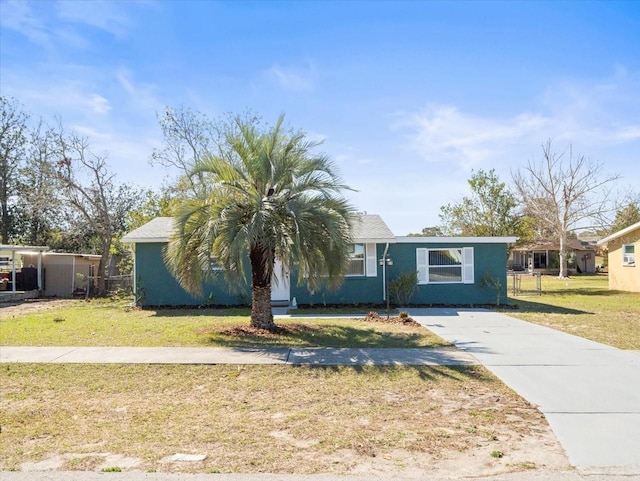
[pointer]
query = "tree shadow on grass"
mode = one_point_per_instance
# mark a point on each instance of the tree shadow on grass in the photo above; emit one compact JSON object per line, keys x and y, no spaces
{"x":182,"y":311}
{"x":309,"y":335}
{"x":425,"y":373}
{"x":540,"y":307}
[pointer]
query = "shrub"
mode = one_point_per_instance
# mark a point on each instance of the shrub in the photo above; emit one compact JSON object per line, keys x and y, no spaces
{"x":493,"y":283}
{"x":402,"y":288}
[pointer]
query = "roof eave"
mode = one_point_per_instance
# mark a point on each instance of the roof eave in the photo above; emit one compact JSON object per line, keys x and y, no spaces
{"x":456,"y":240}
{"x":143,"y":240}
{"x":374,"y":240}
{"x":620,"y":233}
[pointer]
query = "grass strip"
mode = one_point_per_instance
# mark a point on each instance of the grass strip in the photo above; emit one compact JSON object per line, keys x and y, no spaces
{"x":114,"y":324}
{"x":583,"y":306}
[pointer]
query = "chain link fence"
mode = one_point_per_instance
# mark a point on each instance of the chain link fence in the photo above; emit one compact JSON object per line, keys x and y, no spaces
{"x":115,"y":284}
{"x":525,"y":283}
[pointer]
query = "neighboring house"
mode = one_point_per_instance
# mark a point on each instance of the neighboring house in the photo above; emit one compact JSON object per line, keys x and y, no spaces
{"x":64,"y":272}
{"x":53,"y":274}
{"x":16,"y":275}
{"x":544,"y":256}
{"x":449,"y":270}
{"x":624,"y":269}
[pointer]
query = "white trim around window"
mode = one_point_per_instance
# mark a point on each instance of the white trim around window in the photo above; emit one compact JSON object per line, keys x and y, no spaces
{"x":357,"y":261}
{"x":372,"y":260}
{"x":628,"y":255}
{"x":445,"y":265}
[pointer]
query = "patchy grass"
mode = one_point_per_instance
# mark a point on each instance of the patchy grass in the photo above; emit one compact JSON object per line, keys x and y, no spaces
{"x":584,"y":306}
{"x":109,"y":323}
{"x":278,"y":419}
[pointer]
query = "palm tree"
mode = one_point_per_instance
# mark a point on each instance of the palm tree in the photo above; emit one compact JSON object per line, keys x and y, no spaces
{"x":268,"y":198}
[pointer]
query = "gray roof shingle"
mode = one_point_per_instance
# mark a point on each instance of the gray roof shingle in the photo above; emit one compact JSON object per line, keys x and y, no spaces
{"x":371,"y":228}
{"x":364,"y":228}
{"x":156,"y":230}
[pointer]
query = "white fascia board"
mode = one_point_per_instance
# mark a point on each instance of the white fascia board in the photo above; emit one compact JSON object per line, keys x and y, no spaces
{"x":71,"y":254}
{"x":456,"y":240}
{"x":20,"y":249}
{"x":620,"y":233}
{"x":368,"y":240}
{"x":143,"y":240}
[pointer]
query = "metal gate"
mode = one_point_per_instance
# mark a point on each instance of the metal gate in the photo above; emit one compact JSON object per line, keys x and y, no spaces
{"x":525,"y":283}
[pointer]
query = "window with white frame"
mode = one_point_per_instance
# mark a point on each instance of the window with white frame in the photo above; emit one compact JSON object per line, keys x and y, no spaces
{"x":445,"y":266}
{"x":356,"y":260}
{"x":362,"y":261}
{"x":628,"y":255}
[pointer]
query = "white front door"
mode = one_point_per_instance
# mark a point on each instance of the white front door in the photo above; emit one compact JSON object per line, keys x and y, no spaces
{"x":280,"y":286}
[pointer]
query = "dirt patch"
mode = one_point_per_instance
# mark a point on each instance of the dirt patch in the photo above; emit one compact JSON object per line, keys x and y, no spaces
{"x":390,"y":421}
{"x":296,"y":329}
{"x":11,"y":309}
{"x":291,"y":329}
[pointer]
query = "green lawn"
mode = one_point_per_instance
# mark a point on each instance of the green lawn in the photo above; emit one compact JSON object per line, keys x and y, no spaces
{"x":113,"y":323}
{"x":584,"y":306}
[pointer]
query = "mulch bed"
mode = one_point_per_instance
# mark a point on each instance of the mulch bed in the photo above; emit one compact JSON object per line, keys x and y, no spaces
{"x":375,"y":317}
{"x":292,"y":329}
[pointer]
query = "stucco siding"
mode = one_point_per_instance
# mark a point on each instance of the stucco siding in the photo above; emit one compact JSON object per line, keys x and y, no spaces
{"x":353,"y":290}
{"x":488,"y":258}
{"x":624,"y":277}
{"x":155,"y":286}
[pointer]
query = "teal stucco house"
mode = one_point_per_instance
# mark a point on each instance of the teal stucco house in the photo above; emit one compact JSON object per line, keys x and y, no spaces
{"x":449,"y":270}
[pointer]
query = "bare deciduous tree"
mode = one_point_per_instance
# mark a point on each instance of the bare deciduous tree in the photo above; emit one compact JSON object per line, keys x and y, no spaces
{"x":189,"y":138}
{"x":563,"y":192}
{"x":88,"y":186}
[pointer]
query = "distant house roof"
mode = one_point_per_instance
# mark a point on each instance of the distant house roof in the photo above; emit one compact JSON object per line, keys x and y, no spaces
{"x":17,"y":248}
{"x":620,"y":233}
{"x":553,"y":245}
{"x":365,"y":228}
{"x":73,"y":254}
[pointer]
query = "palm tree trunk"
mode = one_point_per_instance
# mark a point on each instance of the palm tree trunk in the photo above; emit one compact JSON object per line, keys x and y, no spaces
{"x":261,"y":315}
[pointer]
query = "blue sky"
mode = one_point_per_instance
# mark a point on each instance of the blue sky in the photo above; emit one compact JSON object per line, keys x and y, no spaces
{"x":409,"y":97}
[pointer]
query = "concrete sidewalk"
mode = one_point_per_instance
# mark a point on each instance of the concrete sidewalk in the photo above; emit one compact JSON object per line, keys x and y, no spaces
{"x":589,"y":392}
{"x":541,"y":475}
{"x":322,"y":356}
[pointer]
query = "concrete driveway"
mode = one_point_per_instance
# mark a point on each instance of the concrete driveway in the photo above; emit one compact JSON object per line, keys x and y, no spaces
{"x":589,"y":392}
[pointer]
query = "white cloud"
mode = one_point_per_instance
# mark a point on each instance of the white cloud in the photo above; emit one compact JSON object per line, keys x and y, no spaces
{"x":444,"y":133}
{"x":587,"y":115}
{"x":97,"y":103}
{"x":18,"y":16}
{"x":99,"y":14}
{"x":143,"y":96}
{"x":631,"y":132}
{"x":63,"y":99}
{"x":41,"y":27}
{"x":292,"y":79}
